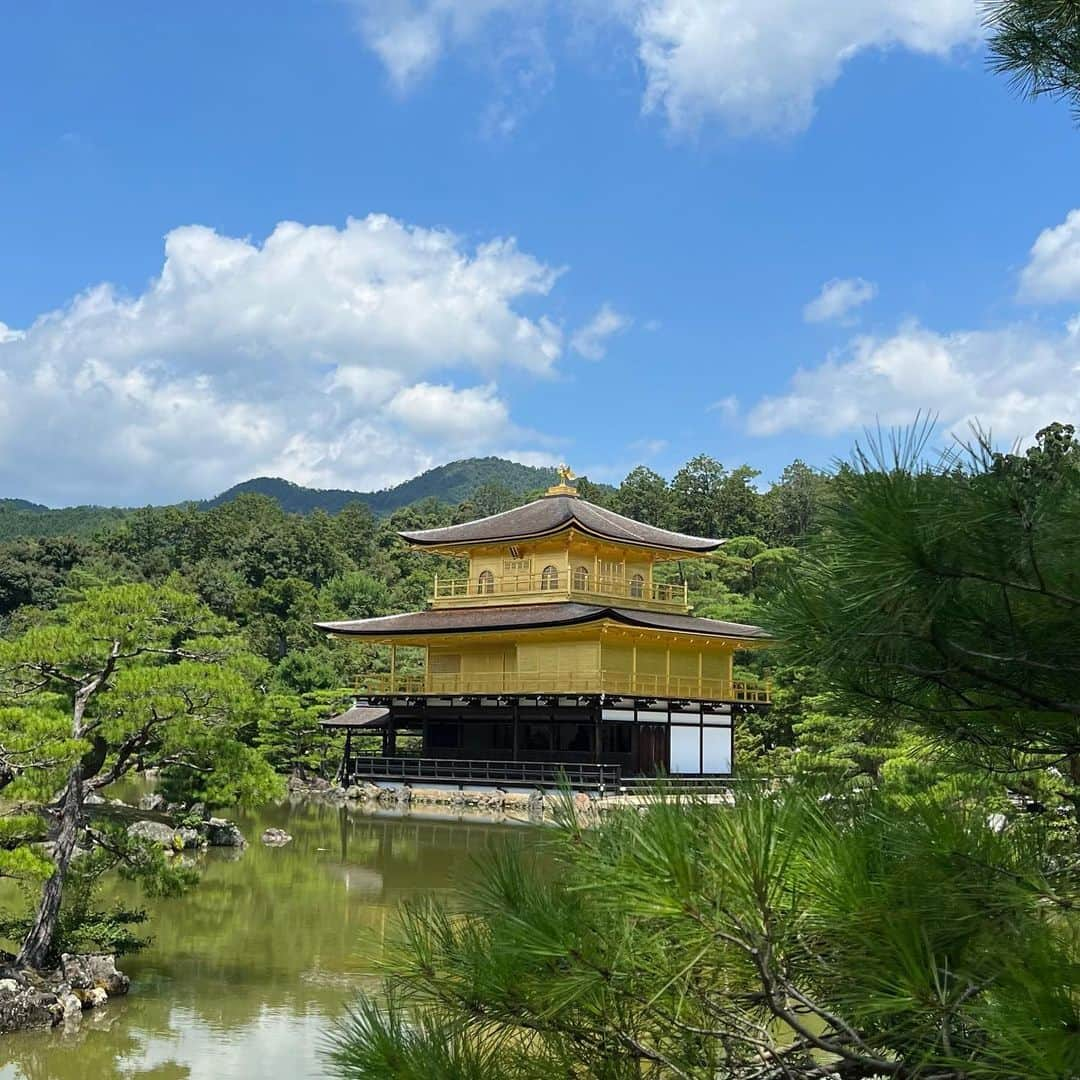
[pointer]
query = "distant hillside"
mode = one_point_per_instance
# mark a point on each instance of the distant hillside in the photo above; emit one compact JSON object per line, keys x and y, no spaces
{"x":19,"y":518}
{"x":452,"y":483}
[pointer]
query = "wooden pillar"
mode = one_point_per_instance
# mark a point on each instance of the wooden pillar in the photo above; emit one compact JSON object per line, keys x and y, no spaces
{"x":633,"y":669}
{"x":667,"y":670}
{"x":393,"y":668}
{"x":516,"y":717}
{"x":700,"y":681}
{"x":343,"y":773}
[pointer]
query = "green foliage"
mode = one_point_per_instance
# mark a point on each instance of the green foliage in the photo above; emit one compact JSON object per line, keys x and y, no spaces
{"x":85,"y":924}
{"x":758,"y":940}
{"x":949,"y":596}
{"x":290,"y":736}
{"x":122,"y":678}
{"x":1036,"y":44}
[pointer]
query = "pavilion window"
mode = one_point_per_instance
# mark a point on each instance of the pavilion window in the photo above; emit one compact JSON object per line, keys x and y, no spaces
{"x":581,"y":578}
{"x":637,"y":586}
{"x":485,"y":583}
{"x":549,"y":578}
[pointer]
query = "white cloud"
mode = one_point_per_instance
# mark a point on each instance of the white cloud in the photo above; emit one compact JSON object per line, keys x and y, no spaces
{"x":409,"y":38}
{"x":759,"y":64}
{"x":838,"y":298}
{"x":450,"y":416}
{"x":1052,"y":272}
{"x":591,"y":340}
{"x":308,"y":356}
{"x":754,"y":64}
{"x":727,"y":407}
{"x":1012,"y":381}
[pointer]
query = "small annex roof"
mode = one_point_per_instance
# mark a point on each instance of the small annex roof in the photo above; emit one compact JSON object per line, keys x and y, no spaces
{"x":357,"y":716}
{"x":533,"y":617}
{"x":552,"y":514}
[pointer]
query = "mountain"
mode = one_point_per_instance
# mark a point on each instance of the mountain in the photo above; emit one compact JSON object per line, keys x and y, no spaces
{"x":452,"y":483}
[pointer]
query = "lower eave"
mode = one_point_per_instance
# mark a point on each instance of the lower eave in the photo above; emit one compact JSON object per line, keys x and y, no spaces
{"x":535,"y":617}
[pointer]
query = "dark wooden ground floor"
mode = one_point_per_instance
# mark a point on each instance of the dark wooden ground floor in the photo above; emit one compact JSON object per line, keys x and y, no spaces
{"x":631,"y":737}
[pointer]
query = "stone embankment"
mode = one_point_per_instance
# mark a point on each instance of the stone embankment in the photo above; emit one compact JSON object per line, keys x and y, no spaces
{"x":535,"y":805}
{"x":33,"y":999}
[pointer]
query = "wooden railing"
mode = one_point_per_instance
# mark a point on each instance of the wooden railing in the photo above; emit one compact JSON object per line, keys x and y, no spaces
{"x":557,"y":585}
{"x":465,"y":771}
{"x":617,"y":683}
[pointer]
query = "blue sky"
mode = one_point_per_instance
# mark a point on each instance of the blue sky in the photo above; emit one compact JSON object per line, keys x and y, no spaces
{"x":344,"y":241}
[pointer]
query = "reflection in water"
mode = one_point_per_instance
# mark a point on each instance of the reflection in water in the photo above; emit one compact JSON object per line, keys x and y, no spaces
{"x":245,"y":973}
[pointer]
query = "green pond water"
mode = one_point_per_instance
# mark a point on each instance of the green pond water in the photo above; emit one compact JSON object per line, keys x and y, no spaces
{"x":246,"y":973}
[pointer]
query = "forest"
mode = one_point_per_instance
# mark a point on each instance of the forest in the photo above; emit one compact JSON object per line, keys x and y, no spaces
{"x":891,"y":892}
{"x":272,"y":573}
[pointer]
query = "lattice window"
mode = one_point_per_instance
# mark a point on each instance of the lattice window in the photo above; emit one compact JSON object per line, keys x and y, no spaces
{"x":549,"y":578}
{"x":485,"y":583}
{"x":611,"y":571}
{"x":637,"y":586}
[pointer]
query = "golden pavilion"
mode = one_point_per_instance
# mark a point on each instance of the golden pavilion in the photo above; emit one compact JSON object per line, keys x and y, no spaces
{"x":559,"y":655}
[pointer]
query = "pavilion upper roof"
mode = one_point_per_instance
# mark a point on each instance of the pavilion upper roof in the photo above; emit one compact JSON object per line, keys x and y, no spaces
{"x":553,"y":514}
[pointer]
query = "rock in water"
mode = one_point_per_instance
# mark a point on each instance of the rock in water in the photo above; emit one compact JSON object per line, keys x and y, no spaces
{"x":153,"y":801}
{"x":94,"y":971}
{"x":157,"y":832}
{"x":222,"y":833}
{"x":276,"y":837}
{"x":23,"y":1006}
{"x":71,"y":1006}
{"x":185,"y":838}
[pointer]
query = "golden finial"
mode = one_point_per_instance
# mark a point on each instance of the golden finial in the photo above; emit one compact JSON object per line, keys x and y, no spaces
{"x":564,"y":486}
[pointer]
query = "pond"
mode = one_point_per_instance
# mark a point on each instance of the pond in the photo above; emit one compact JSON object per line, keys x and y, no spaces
{"x":247,"y":972}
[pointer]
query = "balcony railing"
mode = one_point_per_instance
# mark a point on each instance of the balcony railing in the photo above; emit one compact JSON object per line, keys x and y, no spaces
{"x":616,"y":683}
{"x":557,"y":585}
{"x":465,"y":771}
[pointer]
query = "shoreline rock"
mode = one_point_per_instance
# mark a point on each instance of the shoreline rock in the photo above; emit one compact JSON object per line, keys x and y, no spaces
{"x":276,"y":838}
{"x":33,"y":999}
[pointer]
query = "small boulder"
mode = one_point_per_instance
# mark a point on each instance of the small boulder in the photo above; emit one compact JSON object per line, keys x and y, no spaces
{"x":26,"y":1007}
{"x":75,"y":972}
{"x":94,"y":998}
{"x":157,"y":832}
{"x":93,"y":799}
{"x":222,"y":833}
{"x":70,"y":1006}
{"x":152,"y":802}
{"x":198,"y":809}
{"x":186,"y":838}
{"x":105,"y":974}
{"x":276,"y":837}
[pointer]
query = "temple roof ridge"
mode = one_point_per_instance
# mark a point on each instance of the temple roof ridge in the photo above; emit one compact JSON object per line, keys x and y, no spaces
{"x":553,"y":513}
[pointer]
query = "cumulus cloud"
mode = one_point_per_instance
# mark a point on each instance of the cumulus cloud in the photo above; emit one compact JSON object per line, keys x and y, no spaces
{"x":1052,"y":272}
{"x":838,"y":298}
{"x":591,"y":340}
{"x":308,"y":356}
{"x":755,"y":64}
{"x":759,"y":64}
{"x":1012,"y":381}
